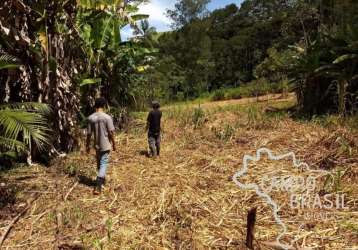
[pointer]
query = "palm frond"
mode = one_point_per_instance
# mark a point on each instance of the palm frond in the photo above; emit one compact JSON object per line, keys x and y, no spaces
{"x":41,"y":108}
{"x":11,"y":144}
{"x":90,"y":81}
{"x":17,"y":123}
{"x":8,"y":62}
{"x":345,"y":58}
{"x":10,"y":154}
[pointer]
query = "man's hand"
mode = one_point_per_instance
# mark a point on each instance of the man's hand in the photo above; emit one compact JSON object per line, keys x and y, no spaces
{"x":112,"y":139}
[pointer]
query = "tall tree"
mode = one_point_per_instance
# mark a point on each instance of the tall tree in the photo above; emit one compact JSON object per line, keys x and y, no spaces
{"x":186,"y":11}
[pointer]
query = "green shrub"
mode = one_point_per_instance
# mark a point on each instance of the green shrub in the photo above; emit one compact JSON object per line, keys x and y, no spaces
{"x":180,"y":96}
{"x":120,"y":116}
{"x":218,"y":95}
{"x":198,"y":117}
{"x":226,"y":133}
{"x":254,"y":88}
{"x":235,"y":93}
{"x":254,"y":116}
{"x":71,"y":169}
{"x":257,"y":88}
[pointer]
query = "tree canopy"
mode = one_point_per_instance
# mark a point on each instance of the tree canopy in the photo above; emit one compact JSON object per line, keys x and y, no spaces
{"x":276,"y":41}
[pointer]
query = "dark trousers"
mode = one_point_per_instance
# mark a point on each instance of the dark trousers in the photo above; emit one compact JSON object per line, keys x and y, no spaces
{"x":154,"y":144}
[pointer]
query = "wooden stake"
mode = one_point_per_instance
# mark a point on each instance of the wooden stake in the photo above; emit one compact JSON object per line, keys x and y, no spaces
{"x":250,"y":229}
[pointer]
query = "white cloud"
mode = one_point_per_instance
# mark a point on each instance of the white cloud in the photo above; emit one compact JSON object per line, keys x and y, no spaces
{"x":156,"y":10}
{"x":126,"y":33}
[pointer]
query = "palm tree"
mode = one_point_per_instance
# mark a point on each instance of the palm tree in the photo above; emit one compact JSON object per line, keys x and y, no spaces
{"x":41,"y":34}
{"x":21,"y":123}
{"x":7,"y":61}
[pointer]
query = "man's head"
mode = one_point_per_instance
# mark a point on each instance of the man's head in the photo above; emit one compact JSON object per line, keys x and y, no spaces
{"x":155,"y":105}
{"x":100,"y":103}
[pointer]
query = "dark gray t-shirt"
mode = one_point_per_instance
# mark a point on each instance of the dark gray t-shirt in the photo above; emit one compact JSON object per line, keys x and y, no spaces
{"x":154,"y":118}
{"x":100,"y":125}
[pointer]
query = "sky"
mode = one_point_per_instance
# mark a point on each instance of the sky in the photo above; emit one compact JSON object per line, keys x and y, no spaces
{"x":156,"y":11}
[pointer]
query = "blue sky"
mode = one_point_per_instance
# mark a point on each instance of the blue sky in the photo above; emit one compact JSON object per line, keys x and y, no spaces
{"x":156,"y":9}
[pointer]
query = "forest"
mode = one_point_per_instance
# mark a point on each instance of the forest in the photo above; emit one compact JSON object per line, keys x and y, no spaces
{"x":270,"y":46}
{"x":62,"y":54}
{"x":281,"y":74}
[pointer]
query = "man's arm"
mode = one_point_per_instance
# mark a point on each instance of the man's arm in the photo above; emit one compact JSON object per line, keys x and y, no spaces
{"x":111,"y":134}
{"x":162,"y":127}
{"x":148,"y":122}
{"x":112,"y":140}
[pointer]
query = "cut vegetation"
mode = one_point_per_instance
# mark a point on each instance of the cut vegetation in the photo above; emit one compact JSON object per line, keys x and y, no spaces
{"x":186,"y":199}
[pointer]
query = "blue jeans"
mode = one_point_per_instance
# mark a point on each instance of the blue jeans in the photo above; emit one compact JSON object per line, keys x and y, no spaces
{"x":102,"y":163}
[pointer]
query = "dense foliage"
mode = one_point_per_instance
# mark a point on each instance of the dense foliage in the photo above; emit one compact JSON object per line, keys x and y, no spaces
{"x":64,"y":54}
{"x":312,"y":44}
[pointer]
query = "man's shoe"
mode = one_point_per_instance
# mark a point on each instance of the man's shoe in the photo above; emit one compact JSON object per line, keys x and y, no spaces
{"x":98,"y":188}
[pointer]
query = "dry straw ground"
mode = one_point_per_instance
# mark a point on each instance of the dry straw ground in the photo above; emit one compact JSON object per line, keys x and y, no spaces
{"x":186,"y":199}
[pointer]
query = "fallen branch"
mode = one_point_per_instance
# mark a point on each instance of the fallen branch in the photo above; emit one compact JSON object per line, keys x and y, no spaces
{"x":114,"y":200}
{"x":34,"y":222}
{"x":16,"y":219}
{"x":69,"y":191}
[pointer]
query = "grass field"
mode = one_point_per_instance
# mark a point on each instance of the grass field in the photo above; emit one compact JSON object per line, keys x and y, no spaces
{"x":186,"y":199}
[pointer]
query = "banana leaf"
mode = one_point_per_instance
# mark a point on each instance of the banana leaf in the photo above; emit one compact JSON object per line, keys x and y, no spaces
{"x":90,"y":81}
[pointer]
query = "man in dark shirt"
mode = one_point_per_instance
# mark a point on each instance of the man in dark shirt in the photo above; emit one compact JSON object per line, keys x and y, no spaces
{"x":153,"y":128}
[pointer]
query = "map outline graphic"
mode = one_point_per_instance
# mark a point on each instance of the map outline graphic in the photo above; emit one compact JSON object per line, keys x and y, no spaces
{"x":262,"y":194}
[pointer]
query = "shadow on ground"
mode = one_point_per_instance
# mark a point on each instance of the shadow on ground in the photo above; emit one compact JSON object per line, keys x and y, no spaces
{"x":144,"y":153}
{"x":82,"y":179}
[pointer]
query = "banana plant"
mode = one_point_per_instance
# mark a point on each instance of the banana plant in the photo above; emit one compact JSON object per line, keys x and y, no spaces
{"x":343,"y":67}
{"x":100,"y":23}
